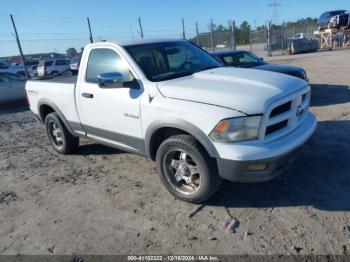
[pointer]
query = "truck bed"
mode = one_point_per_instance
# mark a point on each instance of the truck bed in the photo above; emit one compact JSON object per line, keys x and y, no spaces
{"x":57,"y":92}
{"x":58,"y":79}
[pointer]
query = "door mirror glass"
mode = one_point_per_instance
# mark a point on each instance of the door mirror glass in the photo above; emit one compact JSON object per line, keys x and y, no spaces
{"x":110,"y":80}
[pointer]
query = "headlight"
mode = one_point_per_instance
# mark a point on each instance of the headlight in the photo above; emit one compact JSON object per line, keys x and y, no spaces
{"x":237,"y":129}
{"x":305,"y":75}
{"x":302,"y":75}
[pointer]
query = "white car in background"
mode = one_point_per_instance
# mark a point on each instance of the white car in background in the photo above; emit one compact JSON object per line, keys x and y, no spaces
{"x":12,"y":88}
{"x":299,"y":36}
{"x":53,"y":66}
{"x":18,"y":69}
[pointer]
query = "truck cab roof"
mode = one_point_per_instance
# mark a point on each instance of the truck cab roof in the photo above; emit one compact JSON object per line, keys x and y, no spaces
{"x":142,"y":41}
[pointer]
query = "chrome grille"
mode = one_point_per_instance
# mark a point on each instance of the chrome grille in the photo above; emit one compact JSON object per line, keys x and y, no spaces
{"x":285,"y":115}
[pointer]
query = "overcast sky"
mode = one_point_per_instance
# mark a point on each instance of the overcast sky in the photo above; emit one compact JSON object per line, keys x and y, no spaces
{"x":47,"y":26}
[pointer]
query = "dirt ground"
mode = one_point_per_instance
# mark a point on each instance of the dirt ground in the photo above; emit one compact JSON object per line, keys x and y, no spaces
{"x":103,"y":201}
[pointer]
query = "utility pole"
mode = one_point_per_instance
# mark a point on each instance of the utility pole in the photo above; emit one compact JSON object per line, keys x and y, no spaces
{"x":269,"y":51}
{"x":90,"y":36}
{"x":197,"y":33}
{"x":212,"y":34}
{"x":255,"y":25}
{"x":233,"y":32}
{"x":141,"y":30}
{"x":283,"y":37}
{"x":250,"y":41}
{"x":183,"y":29}
{"x":20,"y":48}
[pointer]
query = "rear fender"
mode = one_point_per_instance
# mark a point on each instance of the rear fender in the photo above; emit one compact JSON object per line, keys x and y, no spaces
{"x":51,"y":104}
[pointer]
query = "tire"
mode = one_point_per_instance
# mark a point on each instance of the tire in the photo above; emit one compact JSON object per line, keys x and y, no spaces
{"x":61,"y":140}
{"x":186,"y":169}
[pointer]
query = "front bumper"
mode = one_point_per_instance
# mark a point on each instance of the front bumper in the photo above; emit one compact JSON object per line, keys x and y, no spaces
{"x":237,"y":171}
{"x":276,"y":155}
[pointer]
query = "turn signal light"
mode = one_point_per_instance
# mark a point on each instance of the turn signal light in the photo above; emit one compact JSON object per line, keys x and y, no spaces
{"x":257,"y":167}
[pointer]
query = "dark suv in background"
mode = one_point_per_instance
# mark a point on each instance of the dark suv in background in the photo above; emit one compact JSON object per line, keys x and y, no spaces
{"x":245,"y":59}
{"x":333,"y":19}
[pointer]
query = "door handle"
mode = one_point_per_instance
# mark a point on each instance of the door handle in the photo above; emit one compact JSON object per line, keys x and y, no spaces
{"x":87,"y":95}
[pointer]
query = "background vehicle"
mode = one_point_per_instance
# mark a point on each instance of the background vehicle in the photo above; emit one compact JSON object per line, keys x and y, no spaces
{"x":16,"y":69}
{"x":247,"y":59}
{"x":299,"y":36}
{"x":333,"y":19}
{"x":74,"y":65}
{"x":52,"y":66}
{"x":11,"y":88}
{"x":172,"y":102}
{"x":32,"y":67}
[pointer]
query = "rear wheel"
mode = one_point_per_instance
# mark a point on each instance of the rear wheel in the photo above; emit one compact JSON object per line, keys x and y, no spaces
{"x":61,"y":140}
{"x":186,"y":169}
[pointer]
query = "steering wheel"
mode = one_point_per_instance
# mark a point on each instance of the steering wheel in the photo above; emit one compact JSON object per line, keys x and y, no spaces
{"x":186,"y":65}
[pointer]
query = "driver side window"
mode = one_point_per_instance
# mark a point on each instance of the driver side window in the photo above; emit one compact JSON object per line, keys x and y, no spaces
{"x":104,"y":60}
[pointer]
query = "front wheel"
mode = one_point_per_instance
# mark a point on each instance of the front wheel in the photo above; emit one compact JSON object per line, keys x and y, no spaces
{"x":61,"y":140}
{"x":186,"y":169}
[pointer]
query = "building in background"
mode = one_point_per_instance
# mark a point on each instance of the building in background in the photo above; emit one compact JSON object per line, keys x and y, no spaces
{"x":30,"y":58}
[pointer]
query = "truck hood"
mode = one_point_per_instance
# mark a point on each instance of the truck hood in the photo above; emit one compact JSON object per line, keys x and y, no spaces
{"x":247,"y":90}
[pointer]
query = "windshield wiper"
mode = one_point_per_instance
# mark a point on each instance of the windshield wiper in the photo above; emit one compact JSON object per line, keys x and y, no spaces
{"x":173,"y":75}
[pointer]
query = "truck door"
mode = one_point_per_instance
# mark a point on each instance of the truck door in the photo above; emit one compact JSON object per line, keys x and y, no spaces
{"x":111,"y":115}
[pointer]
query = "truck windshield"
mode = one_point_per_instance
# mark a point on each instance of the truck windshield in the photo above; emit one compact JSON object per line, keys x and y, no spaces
{"x":170,"y":60}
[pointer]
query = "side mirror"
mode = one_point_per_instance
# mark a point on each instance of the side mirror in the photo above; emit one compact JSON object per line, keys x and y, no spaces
{"x":261,"y":59}
{"x":110,"y":80}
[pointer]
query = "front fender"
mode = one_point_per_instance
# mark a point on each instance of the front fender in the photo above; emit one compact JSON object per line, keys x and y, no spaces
{"x":182,"y":125}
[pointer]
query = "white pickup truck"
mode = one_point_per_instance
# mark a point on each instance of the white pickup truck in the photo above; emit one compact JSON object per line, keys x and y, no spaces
{"x":171,"y":101}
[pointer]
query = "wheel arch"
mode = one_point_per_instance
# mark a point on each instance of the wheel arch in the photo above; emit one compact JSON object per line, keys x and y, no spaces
{"x":163,"y":129}
{"x":46,"y":107}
